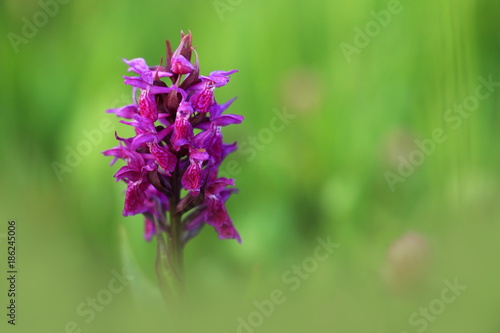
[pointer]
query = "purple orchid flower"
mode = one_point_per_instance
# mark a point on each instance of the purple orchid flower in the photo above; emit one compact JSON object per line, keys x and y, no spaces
{"x":165,"y":156}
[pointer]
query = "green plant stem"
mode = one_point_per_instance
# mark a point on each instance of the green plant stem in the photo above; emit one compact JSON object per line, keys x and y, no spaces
{"x":170,"y":259}
{"x":175,"y":243}
{"x":175,"y":249}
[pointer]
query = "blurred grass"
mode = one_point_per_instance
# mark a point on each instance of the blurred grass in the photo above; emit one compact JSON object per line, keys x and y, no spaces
{"x":322,"y":175}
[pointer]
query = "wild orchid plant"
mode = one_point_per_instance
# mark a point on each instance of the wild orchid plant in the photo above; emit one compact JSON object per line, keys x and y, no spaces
{"x":172,"y":162}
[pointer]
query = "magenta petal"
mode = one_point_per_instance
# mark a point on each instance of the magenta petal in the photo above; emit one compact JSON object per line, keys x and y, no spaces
{"x":180,"y":65}
{"x":141,"y":139}
{"x":223,"y":73}
{"x":219,"y":109}
{"x":219,"y":78}
{"x":199,"y":155}
{"x":228,"y":149}
{"x":159,"y":72}
{"x":147,"y":106}
{"x":227,"y":231}
{"x":149,"y":229}
{"x":145,"y":124}
{"x":163,"y":133}
{"x":211,"y":141}
{"x":183,"y":132}
{"x":196,"y":221}
{"x":127,"y":111}
{"x":119,"y":152}
{"x":163,"y":156}
{"x":203,"y":137}
{"x":218,"y":185}
{"x":228,"y":119}
{"x":191,"y":180}
{"x":148,"y":167}
{"x":135,"y":199}
{"x":137,"y":65}
{"x":184,"y":110}
{"x":203,"y":100}
{"x":159,"y":90}
{"x":216,"y":211}
{"x":163,"y":74}
{"x":180,"y":142}
{"x":128,"y":173}
{"x":136,"y":81}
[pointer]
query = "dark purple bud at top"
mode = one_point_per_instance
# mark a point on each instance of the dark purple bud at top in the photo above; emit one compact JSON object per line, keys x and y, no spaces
{"x":180,"y":61}
{"x":193,"y":76}
{"x":185,"y":46}
{"x":172,"y":101}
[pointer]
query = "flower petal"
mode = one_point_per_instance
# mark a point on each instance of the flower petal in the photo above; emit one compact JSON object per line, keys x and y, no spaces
{"x":135,"y":199}
{"x":136,"y":81}
{"x":219,"y":78}
{"x":127,"y":111}
{"x":141,"y":139}
{"x":163,"y":156}
{"x":139,"y":66}
{"x":191,"y":180}
{"x":147,"y":106}
{"x":227,"y":231}
{"x":203,"y":99}
{"x":149,"y":229}
{"x":181,"y":65}
{"x":228,"y":119}
{"x":217,"y":110}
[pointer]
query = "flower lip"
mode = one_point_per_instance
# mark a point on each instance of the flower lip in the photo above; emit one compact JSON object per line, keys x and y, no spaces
{"x":199,"y":154}
{"x":181,"y":65}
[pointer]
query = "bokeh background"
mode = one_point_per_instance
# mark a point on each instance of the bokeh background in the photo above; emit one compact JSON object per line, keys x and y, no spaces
{"x":324,"y":175}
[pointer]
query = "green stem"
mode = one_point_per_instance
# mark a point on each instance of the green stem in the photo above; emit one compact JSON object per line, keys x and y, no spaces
{"x":175,"y":244}
{"x":176,"y":248}
{"x":163,"y":271}
{"x":170,"y":260}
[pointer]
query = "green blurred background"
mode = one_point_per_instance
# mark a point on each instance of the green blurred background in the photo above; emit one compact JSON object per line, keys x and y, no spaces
{"x":323,"y":175}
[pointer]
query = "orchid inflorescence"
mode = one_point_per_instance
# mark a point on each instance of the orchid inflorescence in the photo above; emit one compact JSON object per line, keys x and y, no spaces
{"x":172,"y":162}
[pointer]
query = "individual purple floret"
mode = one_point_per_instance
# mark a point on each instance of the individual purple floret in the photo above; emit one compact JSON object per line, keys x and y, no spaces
{"x":172,"y":161}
